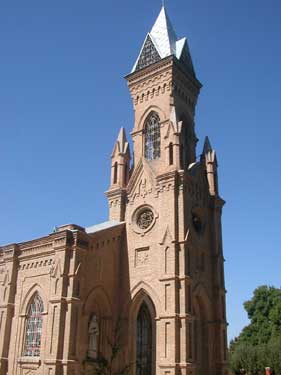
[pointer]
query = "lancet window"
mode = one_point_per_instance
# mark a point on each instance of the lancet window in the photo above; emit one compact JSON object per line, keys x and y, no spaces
{"x":144,"y":341}
{"x":171,"y":154}
{"x":152,"y":137}
{"x":33,"y":330}
{"x":115,"y":173}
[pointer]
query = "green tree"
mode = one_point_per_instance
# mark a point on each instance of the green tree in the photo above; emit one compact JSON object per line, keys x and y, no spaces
{"x":107,"y":365}
{"x":259,"y":344}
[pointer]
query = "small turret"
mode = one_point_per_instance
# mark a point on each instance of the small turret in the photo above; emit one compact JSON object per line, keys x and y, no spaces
{"x":173,"y":142}
{"x":209,"y":157}
{"x":120,"y":166}
{"x":120,"y":173}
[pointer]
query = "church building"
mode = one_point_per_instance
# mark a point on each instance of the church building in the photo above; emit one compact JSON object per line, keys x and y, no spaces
{"x":144,"y":292}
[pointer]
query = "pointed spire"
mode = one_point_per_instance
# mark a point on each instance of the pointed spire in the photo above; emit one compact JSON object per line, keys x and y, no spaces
{"x":173,"y":115}
{"x":122,"y":139}
{"x":209,"y":154}
{"x":207,"y":146}
{"x":121,"y":145}
{"x":164,"y":35}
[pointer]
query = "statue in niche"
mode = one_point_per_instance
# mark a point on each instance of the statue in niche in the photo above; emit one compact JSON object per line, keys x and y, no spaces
{"x":93,"y":333}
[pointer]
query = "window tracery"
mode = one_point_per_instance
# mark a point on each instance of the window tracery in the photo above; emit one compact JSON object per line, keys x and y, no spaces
{"x":33,"y":329}
{"x":145,"y":219}
{"x":152,"y":137}
{"x":149,"y":55}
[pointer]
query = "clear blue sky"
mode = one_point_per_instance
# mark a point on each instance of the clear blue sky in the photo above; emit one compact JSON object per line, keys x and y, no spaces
{"x":63,"y":100}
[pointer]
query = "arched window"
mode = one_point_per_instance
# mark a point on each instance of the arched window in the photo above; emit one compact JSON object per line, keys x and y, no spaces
{"x":144,"y":341}
{"x":152,"y":137}
{"x":33,"y":330}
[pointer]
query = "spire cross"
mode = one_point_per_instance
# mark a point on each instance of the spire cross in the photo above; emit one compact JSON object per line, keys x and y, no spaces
{"x":163,"y":3}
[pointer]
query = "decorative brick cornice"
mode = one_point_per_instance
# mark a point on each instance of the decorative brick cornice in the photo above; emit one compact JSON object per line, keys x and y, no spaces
{"x":114,"y":193}
{"x":9,"y":252}
{"x":149,"y":71}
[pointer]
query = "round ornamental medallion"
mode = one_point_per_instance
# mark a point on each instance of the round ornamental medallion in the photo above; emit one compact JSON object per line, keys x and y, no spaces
{"x":145,"y":219}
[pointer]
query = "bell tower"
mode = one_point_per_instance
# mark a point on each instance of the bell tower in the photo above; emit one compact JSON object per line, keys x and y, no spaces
{"x":172,"y":209}
{"x":163,"y":84}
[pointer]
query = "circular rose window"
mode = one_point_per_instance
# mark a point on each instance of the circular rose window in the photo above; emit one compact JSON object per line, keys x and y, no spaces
{"x":145,"y":218}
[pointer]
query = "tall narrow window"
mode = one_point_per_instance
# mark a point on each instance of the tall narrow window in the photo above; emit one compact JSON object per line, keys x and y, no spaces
{"x":33,"y":330}
{"x":152,"y":137}
{"x":144,"y":342}
{"x":171,"y":154}
{"x":127,"y":169}
{"x":115,"y":172}
{"x":181,"y":156}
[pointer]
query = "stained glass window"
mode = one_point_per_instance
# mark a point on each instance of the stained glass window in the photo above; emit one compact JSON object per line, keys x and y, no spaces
{"x":145,"y":219}
{"x":34,"y":327}
{"x":144,"y":342}
{"x":152,"y":137}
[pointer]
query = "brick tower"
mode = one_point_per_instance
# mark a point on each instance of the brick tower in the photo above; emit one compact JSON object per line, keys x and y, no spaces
{"x":172,"y":209}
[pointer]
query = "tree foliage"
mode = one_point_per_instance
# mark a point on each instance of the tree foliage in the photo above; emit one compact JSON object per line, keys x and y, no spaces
{"x":106,"y":365}
{"x":259,"y":344}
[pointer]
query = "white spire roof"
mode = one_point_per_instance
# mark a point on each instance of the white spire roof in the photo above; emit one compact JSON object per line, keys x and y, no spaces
{"x":162,"y":42}
{"x":163,"y":35}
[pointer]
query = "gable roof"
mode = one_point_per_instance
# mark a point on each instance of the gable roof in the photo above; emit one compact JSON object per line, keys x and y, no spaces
{"x":162,"y":42}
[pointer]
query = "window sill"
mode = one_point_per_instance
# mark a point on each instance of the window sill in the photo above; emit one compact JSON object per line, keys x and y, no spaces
{"x":29,"y":362}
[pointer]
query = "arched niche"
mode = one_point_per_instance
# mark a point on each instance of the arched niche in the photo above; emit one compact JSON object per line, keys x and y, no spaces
{"x":97,"y":304}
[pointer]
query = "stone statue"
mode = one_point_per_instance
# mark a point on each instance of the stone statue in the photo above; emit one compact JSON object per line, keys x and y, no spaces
{"x":93,"y":338}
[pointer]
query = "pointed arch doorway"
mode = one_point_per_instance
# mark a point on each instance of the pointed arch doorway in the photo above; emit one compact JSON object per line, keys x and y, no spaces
{"x":142,"y":342}
{"x":201,"y":338}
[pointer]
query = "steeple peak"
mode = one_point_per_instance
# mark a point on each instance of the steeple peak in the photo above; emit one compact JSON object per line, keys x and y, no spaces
{"x":163,"y":34}
{"x":122,"y":139}
{"x":121,"y":145}
{"x":162,"y":42}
